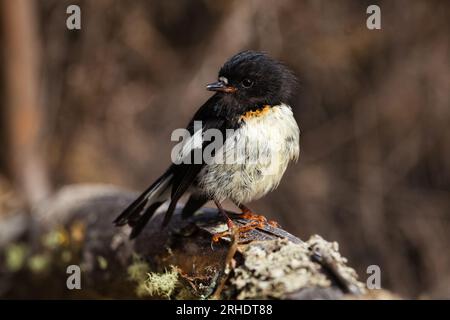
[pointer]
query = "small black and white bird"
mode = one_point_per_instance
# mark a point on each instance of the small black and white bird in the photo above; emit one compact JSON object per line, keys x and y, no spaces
{"x":251,"y":101}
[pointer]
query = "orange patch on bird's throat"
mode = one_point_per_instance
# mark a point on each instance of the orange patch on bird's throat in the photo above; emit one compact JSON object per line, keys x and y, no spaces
{"x":255,"y":114}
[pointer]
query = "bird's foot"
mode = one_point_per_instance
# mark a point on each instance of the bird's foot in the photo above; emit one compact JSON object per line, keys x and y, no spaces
{"x":250,"y":215}
{"x":240,"y":232}
{"x":243,"y":230}
{"x":219,"y":235}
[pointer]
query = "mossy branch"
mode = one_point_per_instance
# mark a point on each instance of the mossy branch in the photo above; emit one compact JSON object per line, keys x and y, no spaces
{"x":177,"y":262}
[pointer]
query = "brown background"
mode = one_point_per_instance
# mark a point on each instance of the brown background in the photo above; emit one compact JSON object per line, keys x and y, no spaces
{"x":373,"y":108}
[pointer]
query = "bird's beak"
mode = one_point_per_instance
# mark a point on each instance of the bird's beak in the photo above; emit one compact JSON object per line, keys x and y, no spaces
{"x":220,"y":86}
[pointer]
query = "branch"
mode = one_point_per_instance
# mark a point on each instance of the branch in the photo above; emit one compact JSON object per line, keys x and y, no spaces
{"x":24,"y":112}
{"x":75,"y":227}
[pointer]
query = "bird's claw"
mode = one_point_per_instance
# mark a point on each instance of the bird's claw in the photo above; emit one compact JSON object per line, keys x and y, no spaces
{"x":250,"y":215}
{"x":241,"y":232}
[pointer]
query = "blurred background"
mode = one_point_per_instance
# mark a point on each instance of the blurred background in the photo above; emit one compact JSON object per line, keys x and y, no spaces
{"x":99,"y":105}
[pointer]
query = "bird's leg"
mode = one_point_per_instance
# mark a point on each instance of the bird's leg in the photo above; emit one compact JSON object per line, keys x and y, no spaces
{"x":248,"y":214}
{"x":233,"y":229}
{"x":216,"y":237}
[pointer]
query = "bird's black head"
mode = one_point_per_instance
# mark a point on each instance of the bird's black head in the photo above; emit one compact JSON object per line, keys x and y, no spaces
{"x":254,"y":79}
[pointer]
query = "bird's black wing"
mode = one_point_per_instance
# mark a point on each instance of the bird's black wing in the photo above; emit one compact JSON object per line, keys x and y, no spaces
{"x":178,"y":177}
{"x":185,"y":174}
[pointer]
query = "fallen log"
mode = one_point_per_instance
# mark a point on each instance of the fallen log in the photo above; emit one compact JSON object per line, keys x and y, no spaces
{"x":74,"y":228}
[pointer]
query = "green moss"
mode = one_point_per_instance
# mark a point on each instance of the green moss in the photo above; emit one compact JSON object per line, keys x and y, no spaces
{"x":159,"y":284}
{"x":15,"y":256}
{"x":151,"y":284}
{"x":39,"y":263}
{"x":138,"y":270}
{"x":55,"y":239}
{"x":102,"y":262}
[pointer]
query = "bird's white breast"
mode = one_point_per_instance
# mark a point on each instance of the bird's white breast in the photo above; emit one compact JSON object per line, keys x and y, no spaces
{"x":255,"y":158}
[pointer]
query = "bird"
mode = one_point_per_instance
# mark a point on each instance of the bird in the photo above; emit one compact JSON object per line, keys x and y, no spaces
{"x":250,"y":108}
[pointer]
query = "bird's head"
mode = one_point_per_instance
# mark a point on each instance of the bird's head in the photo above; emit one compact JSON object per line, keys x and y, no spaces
{"x":253,"y":78}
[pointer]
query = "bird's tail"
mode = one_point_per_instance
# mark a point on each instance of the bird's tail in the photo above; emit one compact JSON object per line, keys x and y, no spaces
{"x":138,"y":213}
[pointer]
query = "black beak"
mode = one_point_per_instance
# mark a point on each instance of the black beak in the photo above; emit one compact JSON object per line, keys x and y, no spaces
{"x":216,"y":86}
{"x":220,"y":86}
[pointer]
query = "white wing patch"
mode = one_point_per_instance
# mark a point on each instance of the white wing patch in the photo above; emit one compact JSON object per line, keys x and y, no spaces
{"x":193,"y":142}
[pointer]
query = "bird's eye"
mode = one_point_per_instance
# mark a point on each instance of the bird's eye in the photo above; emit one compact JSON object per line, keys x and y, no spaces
{"x":247,"y":83}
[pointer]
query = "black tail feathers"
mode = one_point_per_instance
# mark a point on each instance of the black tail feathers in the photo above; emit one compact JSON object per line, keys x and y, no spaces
{"x":139,"y":212}
{"x":138,"y":224}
